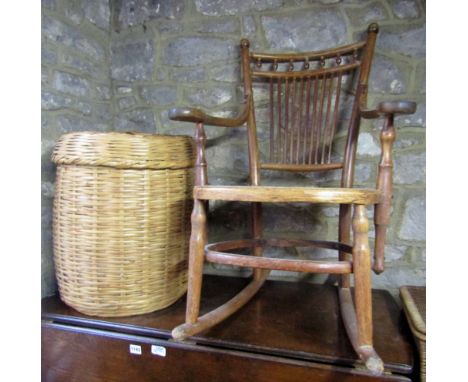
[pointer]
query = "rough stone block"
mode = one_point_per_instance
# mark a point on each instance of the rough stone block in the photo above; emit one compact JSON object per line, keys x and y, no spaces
{"x":225,"y":157}
{"x":413,"y":226}
{"x":409,"y":168}
{"x":103,"y":92}
{"x":421,"y":78}
{"x":48,"y":56}
{"x":218,"y":26}
{"x":132,"y":61}
{"x":248,"y":26}
{"x":126,"y":102}
{"x":395,"y":253}
{"x":367,"y":145}
{"x":47,"y":189}
{"x":405,"y":9}
{"x":407,"y":40}
{"x":227,"y":73}
{"x":102,"y":112}
{"x":325,"y":27}
{"x":234,"y":7}
{"x":159,"y":95}
{"x":189,"y":75}
{"x":407,"y":139}
{"x":418,"y":119}
{"x":171,"y":26}
{"x":84,"y":66}
{"x":297,"y":221}
{"x":362,"y":174}
{"x":83,"y":107}
{"x":45,"y":75}
{"x":372,"y":12}
{"x":67,"y":123}
{"x":141,"y":120}
{"x":48,"y":283}
{"x":98,"y":13}
{"x":51,"y":4}
{"x":47,"y":146}
{"x":138,"y":12}
{"x":387,"y":76}
{"x":72,"y":37}
{"x":124,"y":89}
{"x":419,"y":255}
{"x":208,"y":97}
{"x":52,"y":101}
{"x":74,"y":11}
{"x":331,"y":212}
{"x":161,"y":73}
{"x":192,"y":51}
{"x":394,"y":277}
{"x":71,"y":84}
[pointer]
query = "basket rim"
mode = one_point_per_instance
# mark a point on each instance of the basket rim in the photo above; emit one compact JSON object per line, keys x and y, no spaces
{"x":124,"y":150}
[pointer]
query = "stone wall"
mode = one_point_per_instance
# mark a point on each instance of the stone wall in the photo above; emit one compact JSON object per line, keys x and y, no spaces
{"x":162,"y":54}
{"x":76,"y":91}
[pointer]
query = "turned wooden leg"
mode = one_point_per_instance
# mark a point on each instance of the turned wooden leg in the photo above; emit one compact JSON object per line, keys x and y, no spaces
{"x":362,"y":288}
{"x":194,"y":323}
{"x":196,"y":259}
{"x":257,"y":231}
{"x":384,"y":184}
{"x":344,"y":237}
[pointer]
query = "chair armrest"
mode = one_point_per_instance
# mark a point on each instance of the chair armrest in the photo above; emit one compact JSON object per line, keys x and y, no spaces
{"x":389,"y":107}
{"x":382,"y":211}
{"x":198,"y":116}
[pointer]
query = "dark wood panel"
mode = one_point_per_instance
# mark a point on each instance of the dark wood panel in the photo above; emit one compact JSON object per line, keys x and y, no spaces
{"x":297,"y":320}
{"x":81,"y":354}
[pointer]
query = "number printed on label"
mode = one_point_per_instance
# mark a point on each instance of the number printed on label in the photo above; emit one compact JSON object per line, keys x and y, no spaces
{"x":135,"y":349}
{"x":158,"y":350}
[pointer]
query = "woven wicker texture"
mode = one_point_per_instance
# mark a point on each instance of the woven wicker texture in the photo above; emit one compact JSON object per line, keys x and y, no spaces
{"x":414,"y":305}
{"x":121,"y":234}
{"x":124,"y":150}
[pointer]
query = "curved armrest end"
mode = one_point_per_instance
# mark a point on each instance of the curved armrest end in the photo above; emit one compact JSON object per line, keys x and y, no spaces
{"x":186,"y":115}
{"x":389,"y":107}
{"x":198,"y":116}
{"x":397,"y":107}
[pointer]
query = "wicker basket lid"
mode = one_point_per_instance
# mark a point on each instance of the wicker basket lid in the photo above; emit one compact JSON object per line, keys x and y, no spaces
{"x":124,"y":150}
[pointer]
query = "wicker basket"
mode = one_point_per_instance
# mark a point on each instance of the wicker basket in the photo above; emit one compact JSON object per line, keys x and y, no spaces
{"x":414,"y":305}
{"x":121,"y":221}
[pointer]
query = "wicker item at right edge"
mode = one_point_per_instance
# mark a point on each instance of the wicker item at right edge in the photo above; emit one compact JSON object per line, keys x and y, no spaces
{"x":414,"y":305}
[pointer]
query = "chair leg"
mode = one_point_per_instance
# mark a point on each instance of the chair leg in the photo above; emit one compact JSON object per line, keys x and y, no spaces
{"x":194,"y":323}
{"x":358,"y":316}
{"x":257,"y":232}
{"x":198,"y":240}
{"x":344,"y":237}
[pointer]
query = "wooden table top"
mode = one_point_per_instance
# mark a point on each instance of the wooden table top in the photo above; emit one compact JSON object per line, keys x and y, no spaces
{"x":290,"y":319}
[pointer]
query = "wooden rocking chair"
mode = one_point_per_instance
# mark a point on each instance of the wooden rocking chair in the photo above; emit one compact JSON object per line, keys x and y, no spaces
{"x":306,"y":103}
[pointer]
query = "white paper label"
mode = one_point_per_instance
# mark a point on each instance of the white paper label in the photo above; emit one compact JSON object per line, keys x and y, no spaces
{"x":135,"y":349}
{"x":158,"y":350}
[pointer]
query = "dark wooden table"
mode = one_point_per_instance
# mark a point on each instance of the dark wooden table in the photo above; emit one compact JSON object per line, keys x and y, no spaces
{"x":276,"y":337}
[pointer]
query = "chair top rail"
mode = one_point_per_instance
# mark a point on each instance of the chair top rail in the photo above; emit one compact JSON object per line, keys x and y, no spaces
{"x":307,"y":73}
{"x":308,"y":56}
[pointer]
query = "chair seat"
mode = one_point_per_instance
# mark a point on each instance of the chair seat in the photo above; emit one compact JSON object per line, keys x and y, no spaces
{"x":287,"y":194}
